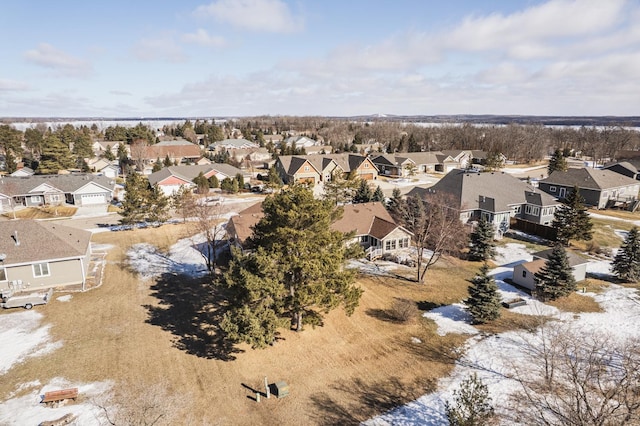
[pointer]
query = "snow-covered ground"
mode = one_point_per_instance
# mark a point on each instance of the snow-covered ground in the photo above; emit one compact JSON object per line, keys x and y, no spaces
{"x":491,"y":357}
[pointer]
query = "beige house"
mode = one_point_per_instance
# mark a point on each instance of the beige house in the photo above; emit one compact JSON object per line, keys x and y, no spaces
{"x":524,"y":273}
{"x":37,"y":255}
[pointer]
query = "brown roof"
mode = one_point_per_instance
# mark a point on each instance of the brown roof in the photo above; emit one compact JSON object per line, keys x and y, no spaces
{"x":40,"y":241}
{"x":153,"y":152}
{"x":535,"y":265}
{"x":365,"y":219}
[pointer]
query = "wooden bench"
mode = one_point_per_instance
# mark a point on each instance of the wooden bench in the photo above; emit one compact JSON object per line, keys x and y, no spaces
{"x":59,"y":395}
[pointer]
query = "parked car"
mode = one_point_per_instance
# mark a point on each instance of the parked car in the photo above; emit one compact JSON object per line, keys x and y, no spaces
{"x":26,"y":301}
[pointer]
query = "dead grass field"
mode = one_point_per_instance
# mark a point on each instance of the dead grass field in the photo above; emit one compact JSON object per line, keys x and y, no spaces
{"x":131,"y":331}
{"x":49,"y":212}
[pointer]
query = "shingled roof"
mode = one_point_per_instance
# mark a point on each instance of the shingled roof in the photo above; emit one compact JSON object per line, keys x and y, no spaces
{"x":586,"y":178}
{"x":496,"y":191}
{"x":12,"y":186}
{"x":28,"y":241}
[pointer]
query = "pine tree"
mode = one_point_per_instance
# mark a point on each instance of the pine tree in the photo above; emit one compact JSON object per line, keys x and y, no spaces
{"x":295,"y":272}
{"x":157,"y":166}
{"x":135,"y":204}
{"x":626,"y":265}
{"x":571,"y":220}
{"x":484,"y":300}
{"x":363,"y":194}
{"x":159,"y":205}
{"x":557,"y":162}
{"x":55,"y":156}
{"x":395,"y":202}
{"x":482,"y":246}
{"x":471,"y":405}
{"x":555,"y":279}
{"x":378,"y":195}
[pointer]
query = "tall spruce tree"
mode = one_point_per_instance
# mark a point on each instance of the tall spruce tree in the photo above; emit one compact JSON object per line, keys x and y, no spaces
{"x":135,"y":205}
{"x":484,"y":302}
{"x":626,"y":265}
{"x":482,"y":247}
{"x":378,"y":195}
{"x":555,"y":279}
{"x":158,"y":203}
{"x":55,"y":155}
{"x":557,"y":162}
{"x":296,"y":271}
{"x":571,"y":220}
{"x":363,"y":194}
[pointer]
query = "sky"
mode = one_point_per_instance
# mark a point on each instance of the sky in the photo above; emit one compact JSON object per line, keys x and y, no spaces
{"x":221,"y":58}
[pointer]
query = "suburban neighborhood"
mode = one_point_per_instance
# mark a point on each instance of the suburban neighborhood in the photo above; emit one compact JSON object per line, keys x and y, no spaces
{"x":146,"y":233}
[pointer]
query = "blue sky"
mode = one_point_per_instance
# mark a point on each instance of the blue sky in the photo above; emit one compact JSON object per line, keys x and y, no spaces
{"x":69,"y":58}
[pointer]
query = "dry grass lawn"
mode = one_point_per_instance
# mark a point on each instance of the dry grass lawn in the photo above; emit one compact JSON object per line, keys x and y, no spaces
{"x":49,"y":212}
{"x":131,"y":331}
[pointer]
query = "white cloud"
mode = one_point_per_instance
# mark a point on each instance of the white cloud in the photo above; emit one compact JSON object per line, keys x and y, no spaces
{"x":203,"y":38}
{"x":45,"y":55}
{"x":7,"y":85}
{"x":120,"y":93}
{"x":254,"y":15}
{"x":162,"y":48}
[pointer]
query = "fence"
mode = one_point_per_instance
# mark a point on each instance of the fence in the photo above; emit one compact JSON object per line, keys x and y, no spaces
{"x":544,"y":231}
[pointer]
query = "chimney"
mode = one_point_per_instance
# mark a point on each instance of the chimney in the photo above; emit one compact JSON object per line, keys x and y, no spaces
{"x":15,"y":238}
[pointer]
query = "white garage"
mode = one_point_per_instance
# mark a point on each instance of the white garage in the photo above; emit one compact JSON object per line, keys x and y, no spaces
{"x":92,"y":199}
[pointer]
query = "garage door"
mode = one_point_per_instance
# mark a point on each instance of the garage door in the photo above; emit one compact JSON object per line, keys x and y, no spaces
{"x":367,"y":176}
{"x":89,"y":199}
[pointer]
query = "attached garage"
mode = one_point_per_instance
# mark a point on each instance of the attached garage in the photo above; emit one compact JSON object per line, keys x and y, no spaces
{"x":367,"y":176}
{"x":92,"y":199}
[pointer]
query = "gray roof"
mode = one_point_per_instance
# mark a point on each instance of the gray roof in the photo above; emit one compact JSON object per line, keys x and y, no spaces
{"x":175,"y":142}
{"x":624,"y":164}
{"x":495,"y":192}
{"x":40,"y":241}
{"x":66,"y":183}
{"x":235,"y":143}
{"x":574,"y":259}
{"x":586,"y":178}
{"x":189,"y":173}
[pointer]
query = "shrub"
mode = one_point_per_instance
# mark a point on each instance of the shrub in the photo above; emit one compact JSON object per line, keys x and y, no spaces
{"x":404,"y":310}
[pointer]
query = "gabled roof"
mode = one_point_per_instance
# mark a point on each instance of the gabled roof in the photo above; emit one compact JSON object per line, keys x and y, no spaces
{"x":574,"y":259}
{"x":180,"y":150}
{"x":427,"y":157}
{"x":65,"y":183}
{"x":292,"y":163}
{"x":495,"y":192}
{"x":624,"y":164}
{"x":366,"y":219}
{"x":587,"y":178}
{"x":24,"y":171}
{"x":244,"y":221}
{"x":234,"y":144}
{"x":348,"y":162}
{"x":320,"y":162}
{"x":188,"y":173}
{"x":40,"y":241}
{"x":174,"y":142}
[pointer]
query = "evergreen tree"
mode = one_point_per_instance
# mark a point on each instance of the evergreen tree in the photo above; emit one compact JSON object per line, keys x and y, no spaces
{"x":55,"y":156}
{"x":273,"y":179}
{"x":135,"y":205}
{"x":157,"y":166}
{"x":572,"y":220}
{"x":378,"y":195}
{"x":626,"y":265}
{"x":363,"y":194}
{"x":484,"y":302}
{"x":395,"y":202}
{"x":214,"y":182}
{"x":202,"y":183}
{"x":167,"y":161}
{"x":229,"y":185}
{"x":471,"y":405}
{"x":240,"y":180}
{"x":482,"y":246}
{"x":555,"y":279}
{"x":557,"y":162}
{"x":159,"y":205}
{"x":339,"y":189}
{"x":296,"y":271}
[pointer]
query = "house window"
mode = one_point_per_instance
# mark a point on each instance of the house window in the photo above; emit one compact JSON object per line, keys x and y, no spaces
{"x":524,"y":274}
{"x":605,"y":194}
{"x":403,"y":243}
{"x":366,"y":165}
{"x":306,"y":168}
{"x":364,"y":238}
{"x":532,"y":210}
{"x":40,"y":269}
{"x":55,"y":198}
{"x":36,"y":199}
{"x":552,"y":189}
{"x":3,"y":274}
{"x":517,"y":209}
{"x":390,"y":245}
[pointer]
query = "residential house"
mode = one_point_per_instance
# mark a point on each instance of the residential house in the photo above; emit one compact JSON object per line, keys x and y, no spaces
{"x":497,"y":197}
{"x":39,"y":254}
{"x":404,"y":164}
{"x":462,"y":158}
{"x":393,"y":165}
{"x":100,"y":147}
{"x":359,"y":165}
{"x":171,"y":179}
{"x":75,"y":189}
{"x":524,"y":273}
{"x":319,"y":149}
{"x":297,"y":169}
{"x":250,"y":155}
{"x":374,"y":228}
{"x":300,"y":142}
{"x":23,"y":172}
{"x":600,"y":188}
{"x":179,"y":151}
{"x":626,"y":168}
{"x":230,"y":144}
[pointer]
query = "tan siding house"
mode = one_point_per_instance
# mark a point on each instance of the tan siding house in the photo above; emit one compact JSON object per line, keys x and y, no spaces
{"x":37,"y":255}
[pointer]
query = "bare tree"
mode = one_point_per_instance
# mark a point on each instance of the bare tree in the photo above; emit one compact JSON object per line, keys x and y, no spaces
{"x":575,"y":378}
{"x":139,"y":153}
{"x":208,"y":222}
{"x":436,"y":227}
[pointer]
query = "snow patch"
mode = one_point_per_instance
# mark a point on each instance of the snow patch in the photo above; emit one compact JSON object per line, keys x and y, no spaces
{"x":65,"y":298}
